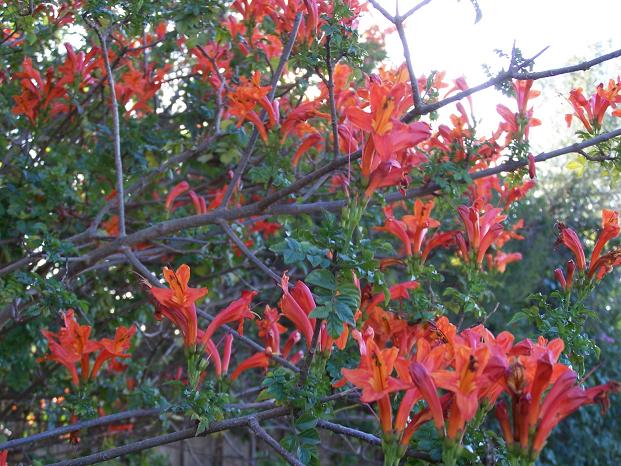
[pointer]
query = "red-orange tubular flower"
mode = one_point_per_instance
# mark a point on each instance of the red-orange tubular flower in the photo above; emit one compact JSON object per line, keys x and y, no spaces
{"x":237,"y":310}
{"x":519,"y":124}
{"x":523,"y":93}
{"x":563,"y":399}
{"x":412,"y":230}
{"x":72,"y":344}
{"x":257,"y":360}
{"x":212,"y":353}
{"x":418,"y":373}
{"x":297,"y":305}
{"x":114,"y":348}
{"x":387,"y":135}
{"x":269,"y":329}
{"x":177,"y":303}
{"x":244,"y":98}
{"x":570,"y":239}
{"x":600,"y":264}
{"x":373,"y":375}
{"x":466,"y":382}
{"x":61,"y":355}
{"x":591,"y":112}
{"x":174,"y":193}
{"x":481,"y":231}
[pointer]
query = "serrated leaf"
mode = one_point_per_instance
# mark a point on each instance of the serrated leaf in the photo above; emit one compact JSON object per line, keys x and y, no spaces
{"x":322,"y":278}
{"x":320,"y":312}
{"x":309,"y":437}
{"x":305,"y":422}
{"x":344,"y":312}
{"x":334,"y":325}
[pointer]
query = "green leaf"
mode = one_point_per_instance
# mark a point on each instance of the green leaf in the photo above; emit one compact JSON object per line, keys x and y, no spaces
{"x":322,"y":278}
{"x":320,"y":312}
{"x":305,"y":421}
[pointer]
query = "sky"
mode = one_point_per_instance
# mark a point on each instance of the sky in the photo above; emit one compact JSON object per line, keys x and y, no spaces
{"x":443,"y":36}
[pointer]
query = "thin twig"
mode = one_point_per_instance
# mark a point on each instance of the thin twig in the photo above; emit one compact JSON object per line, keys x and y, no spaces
{"x":510,"y":74}
{"x":247,"y":252}
{"x":413,"y":10}
{"x":408,"y":61}
{"x":116,"y":127}
{"x":101,"y":421}
{"x":368,"y":438}
{"x":146,"y":273}
{"x":267,"y":438}
{"x":308,"y":360}
{"x":249,"y":342}
{"x":152,"y":442}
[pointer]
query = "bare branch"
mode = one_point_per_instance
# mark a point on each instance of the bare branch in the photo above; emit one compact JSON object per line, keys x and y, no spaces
{"x":368,"y":438}
{"x":506,"y":75}
{"x":408,"y":61}
{"x":247,"y":252}
{"x":152,"y":442}
{"x":116,"y":128}
{"x":100,"y":421}
{"x":382,"y":10}
{"x":261,"y":207}
{"x":413,"y":10}
{"x":267,"y":438}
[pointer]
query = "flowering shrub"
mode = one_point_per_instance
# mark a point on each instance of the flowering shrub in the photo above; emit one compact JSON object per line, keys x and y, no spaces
{"x":276,"y":224}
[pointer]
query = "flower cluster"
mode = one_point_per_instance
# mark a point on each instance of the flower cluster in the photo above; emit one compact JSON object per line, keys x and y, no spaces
{"x":591,"y":111}
{"x":459,"y":374}
{"x":73,"y":344}
{"x":600,"y":264}
{"x":483,"y":229}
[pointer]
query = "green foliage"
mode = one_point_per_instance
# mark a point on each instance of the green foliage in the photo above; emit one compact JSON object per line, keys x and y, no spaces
{"x":338,"y":298}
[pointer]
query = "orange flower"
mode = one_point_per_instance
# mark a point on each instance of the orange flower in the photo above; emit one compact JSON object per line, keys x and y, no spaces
{"x":237,"y":310}
{"x":563,"y":399}
{"x":417,"y":374}
{"x":270,"y":329}
{"x":244,"y":99}
{"x":387,"y":135}
{"x":610,"y":229}
{"x":72,"y":343}
{"x":523,"y":93}
{"x":62,"y":355}
{"x":570,"y":239}
{"x":116,"y":348}
{"x":297,"y":310}
{"x":481,"y":231}
{"x":261,"y":360}
{"x":466,"y":382}
{"x":174,"y":193}
{"x":177,"y":303}
{"x":591,"y":112}
{"x":373,"y":375}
